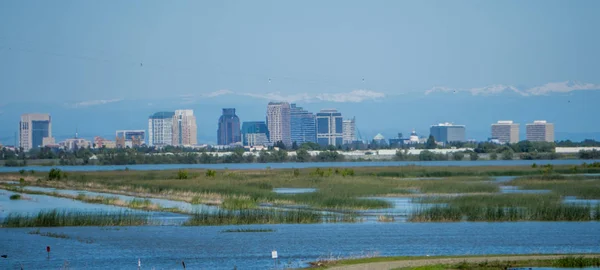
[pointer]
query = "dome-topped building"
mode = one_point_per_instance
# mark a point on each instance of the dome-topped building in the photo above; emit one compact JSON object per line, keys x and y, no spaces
{"x":379,"y":139}
{"x":414,"y":138}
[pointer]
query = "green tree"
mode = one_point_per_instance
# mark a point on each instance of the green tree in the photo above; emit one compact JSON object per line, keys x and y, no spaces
{"x":302,"y":155}
{"x":279,"y":144}
{"x":430,"y":144}
{"x":473,"y":156}
{"x":507,"y":155}
{"x":458,"y":155}
{"x":182,"y":174}
{"x":400,"y":155}
{"x":493,"y":156}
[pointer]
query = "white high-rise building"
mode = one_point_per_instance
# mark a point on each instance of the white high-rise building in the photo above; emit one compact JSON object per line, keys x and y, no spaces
{"x":540,"y":131}
{"x":185,"y":131}
{"x":279,"y":122}
{"x":160,"y":129}
{"x":349,"y":131}
{"x":505,"y":132}
{"x":34,"y":130}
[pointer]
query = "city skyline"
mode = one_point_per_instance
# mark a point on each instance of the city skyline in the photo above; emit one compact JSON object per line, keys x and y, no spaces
{"x":327,"y":125}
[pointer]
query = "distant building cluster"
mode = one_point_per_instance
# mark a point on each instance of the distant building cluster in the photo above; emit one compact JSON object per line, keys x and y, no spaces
{"x":508,"y":132}
{"x":285,"y":124}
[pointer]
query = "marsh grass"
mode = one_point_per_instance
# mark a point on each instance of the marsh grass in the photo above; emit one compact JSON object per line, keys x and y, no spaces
{"x":579,"y":186}
{"x":58,"y":218}
{"x":263,"y":216}
{"x":247,"y":230}
{"x":15,"y":197}
{"x":246,"y":189}
{"x":50,"y":234}
{"x":577,"y":262}
{"x":565,"y":262}
{"x":503,"y":207}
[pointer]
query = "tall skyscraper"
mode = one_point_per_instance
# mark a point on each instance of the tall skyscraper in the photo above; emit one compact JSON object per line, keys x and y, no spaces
{"x":540,"y":131}
{"x":255,"y":133}
{"x":185,"y":131}
{"x":279,"y":122}
{"x":505,"y":132}
{"x":349,"y":131}
{"x":229,"y":128}
{"x":160,"y":129}
{"x":447,"y":132}
{"x":303,"y":126}
{"x":33,"y":129}
{"x":329,"y":127}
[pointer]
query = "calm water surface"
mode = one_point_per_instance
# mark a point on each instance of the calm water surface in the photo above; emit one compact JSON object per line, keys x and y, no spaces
{"x":164,"y":247}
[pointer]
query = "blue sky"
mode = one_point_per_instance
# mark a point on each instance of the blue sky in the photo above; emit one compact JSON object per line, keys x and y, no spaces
{"x":125,"y":59}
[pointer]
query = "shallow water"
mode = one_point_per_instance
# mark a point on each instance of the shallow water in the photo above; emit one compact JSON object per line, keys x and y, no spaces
{"x":503,"y":179}
{"x":515,"y":189}
{"x":575,"y":200}
{"x":294,"y":190}
{"x":401,"y":207}
{"x":185,"y":206}
{"x":164,"y":247}
{"x":33,"y":204}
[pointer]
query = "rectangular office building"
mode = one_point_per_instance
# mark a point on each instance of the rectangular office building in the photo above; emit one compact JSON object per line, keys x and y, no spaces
{"x":505,"y":132}
{"x":34,"y":129}
{"x":255,"y":133}
{"x":540,"y":131}
{"x":303,"y":126}
{"x":447,"y":132}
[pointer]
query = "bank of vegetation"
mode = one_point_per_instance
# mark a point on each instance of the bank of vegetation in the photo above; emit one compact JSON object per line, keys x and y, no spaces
{"x":503,"y":207}
{"x":241,"y":194}
{"x":64,"y":218}
{"x":480,"y":262}
{"x":264,"y":216}
{"x":180,"y":155}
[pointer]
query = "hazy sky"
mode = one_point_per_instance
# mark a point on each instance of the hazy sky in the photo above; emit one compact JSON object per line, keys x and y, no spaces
{"x":89,"y":50}
{"x":90,"y":53}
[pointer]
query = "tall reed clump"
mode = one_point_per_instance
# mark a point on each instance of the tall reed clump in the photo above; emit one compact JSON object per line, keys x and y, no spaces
{"x":504,"y":207}
{"x":261,"y":216}
{"x":62,"y":218}
{"x":232,"y":203}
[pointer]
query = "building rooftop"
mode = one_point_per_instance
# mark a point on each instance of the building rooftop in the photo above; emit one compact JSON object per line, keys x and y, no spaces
{"x":537,"y":122}
{"x":162,"y":115}
{"x":505,"y":122}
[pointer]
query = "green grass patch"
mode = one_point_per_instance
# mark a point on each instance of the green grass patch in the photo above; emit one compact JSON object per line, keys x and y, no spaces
{"x":577,"y":262}
{"x":50,"y":234}
{"x":15,"y":197}
{"x":247,"y":230}
{"x":231,"y":203}
{"x":495,"y":262}
{"x":581,"y":187}
{"x":57,"y":218}
{"x":503,"y":207}
{"x":263,"y":216}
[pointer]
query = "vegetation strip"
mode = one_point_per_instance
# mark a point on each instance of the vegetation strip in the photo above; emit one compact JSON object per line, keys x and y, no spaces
{"x":461,"y":194}
{"x":247,"y":230}
{"x":448,"y":262}
{"x":58,"y":218}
